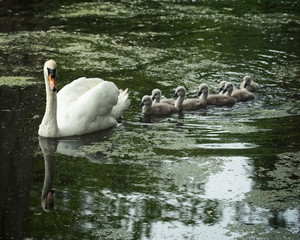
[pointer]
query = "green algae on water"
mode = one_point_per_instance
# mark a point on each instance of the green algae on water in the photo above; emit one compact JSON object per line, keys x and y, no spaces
{"x":103,"y":9}
{"x":235,"y":127}
{"x":193,"y":170}
{"x":116,"y":234}
{"x":140,"y":145}
{"x":260,"y":232}
{"x":284,"y":187}
{"x":17,"y":81}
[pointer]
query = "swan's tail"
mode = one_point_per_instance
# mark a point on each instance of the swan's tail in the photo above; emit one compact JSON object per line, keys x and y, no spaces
{"x":122,"y":104}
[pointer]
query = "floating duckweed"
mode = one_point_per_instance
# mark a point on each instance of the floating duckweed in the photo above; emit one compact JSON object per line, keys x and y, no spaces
{"x":123,"y":146}
{"x":17,"y":81}
{"x":235,"y":127}
{"x":192,"y":171}
{"x":260,"y":232}
{"x":187,"y":76}
{"x":284,"y":188}
{"x":116,"y":234}
{"x":103,"y":9}
{"x":139,"y":145}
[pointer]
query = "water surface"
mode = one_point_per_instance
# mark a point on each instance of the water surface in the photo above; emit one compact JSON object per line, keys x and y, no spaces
{"x":215,"y":173}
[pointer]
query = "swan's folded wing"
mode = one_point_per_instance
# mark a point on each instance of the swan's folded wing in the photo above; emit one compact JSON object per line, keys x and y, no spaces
{"x":91,"y":111}
{"x":121,"y":105}
{"x":98,"y":101}
{"x":72,"y":91}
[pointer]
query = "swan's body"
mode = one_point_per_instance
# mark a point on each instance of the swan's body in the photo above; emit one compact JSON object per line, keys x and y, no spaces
{"x":240,"y":95}
{"x":156,"y":97}
{"x":158,"y":108}
{"x":192,"y":103}
{"x":249,"y":85}
{"x":83,"y":106}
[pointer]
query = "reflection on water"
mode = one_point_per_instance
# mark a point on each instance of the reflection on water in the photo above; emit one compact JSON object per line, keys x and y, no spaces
{"x":227,"y":145}
{"x":74,"y":146}
{"x":208,"y":174}
{"x":48,"y":147}
{"x":232,"y":182}
{"x":170,"y":199}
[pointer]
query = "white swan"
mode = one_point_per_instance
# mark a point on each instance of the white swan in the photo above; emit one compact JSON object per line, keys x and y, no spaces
{"x":248,"y":84}
{"x":156,"y":97}
{"x":83,"y":106}
{"x":158,"y":108}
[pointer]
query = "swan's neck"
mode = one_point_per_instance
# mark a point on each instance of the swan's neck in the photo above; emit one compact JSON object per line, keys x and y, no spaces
{"x":156,"y":100}
{"x":228,"y":93}
{"x":179,"y":101}
{"x":50,"y":168}
{"x":203,"y":96}
{"x":48,"y":147}
{"x":146,"y":108}
{"x":49,"y":127}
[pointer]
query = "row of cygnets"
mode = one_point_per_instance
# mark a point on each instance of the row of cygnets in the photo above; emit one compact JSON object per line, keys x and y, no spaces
{"x":228,"y":95}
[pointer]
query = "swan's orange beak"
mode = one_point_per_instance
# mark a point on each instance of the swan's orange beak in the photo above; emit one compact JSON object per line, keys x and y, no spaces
{"x":52,"y":82}
{"x":52,"y":79}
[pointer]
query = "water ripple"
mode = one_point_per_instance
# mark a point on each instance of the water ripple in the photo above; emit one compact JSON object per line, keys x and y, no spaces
{"x":226,"y":145}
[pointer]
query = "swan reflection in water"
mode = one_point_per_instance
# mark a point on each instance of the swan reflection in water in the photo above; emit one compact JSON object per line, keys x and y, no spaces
{"x":48,"y":147}
{"x":71,"y":147}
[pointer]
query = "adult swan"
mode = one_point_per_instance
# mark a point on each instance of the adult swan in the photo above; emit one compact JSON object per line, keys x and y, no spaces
{"x":83,"y":106}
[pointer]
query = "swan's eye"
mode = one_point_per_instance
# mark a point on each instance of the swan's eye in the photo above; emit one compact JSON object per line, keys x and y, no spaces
{"x":52,"y":72}
{"x":52,"y":79}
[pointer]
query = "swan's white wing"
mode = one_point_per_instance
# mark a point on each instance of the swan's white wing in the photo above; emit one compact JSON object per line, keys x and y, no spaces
{"x":97,"y":101}
{"x":91,"y":111}
{"x":72,"y":91}
{"x":122,"y":104}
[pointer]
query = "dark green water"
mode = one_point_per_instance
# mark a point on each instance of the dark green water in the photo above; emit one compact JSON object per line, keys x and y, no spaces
{"x":216,"y":173}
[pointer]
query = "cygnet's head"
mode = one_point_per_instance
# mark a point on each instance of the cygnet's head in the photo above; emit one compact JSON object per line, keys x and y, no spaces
{"x":228,"y":88}
{"x":180,"y":92}
{"x":50,"y":71}
{"x":203,"y":88}
{"x":222,"y":85}
{"x":247,"y":80}
{"x":156,"y":94}
{"x":146,"y":101}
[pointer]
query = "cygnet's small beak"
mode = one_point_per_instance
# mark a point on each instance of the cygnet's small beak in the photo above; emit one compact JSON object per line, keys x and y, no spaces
{"x":224,"y":91}
{"x":199,"y":93}
{"x":153,"y":97}
{"x":174,"y":95}
{"x":142,"y":104}
{"x":221,"y":89}
{"x":52,"y":79}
